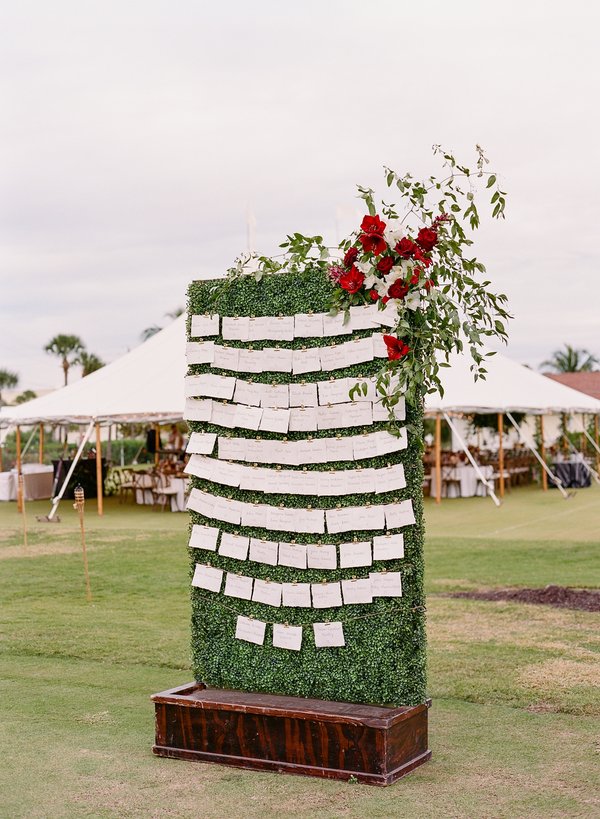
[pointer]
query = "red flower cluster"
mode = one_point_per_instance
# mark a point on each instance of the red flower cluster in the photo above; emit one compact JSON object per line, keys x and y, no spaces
{"x":371,"y":237}
{"x":396,"y":348}
{"x":352,"y":281}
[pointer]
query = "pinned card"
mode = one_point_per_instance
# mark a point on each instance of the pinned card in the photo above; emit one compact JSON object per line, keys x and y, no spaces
{"x":263,"y":551}
{"x":311,"y":451}
{"x":388,"y":547}
{"x":306,"y":361}
{"x":289,"y":637}
{"x":322,"y":556}
{"x":326,"y":595}
{"x":255,"y":514}
{"x":223,"y":415}
{"x":235,"y":546}
{"x":303,"y":419}
{"x":235,"y":328}
{"x":334,"y":391}
{"x":363,"y":318}
{"x":226,"y":358}
{"x":357,"y":591}
{"x":200,"y":502}
{"x":379,"y":346}
{"x":236,"y":585}
{"x":328,"y":635}
{"x":308,"y":325}
{"x":275,"y":395}
{"x":209,"y":385}
{"x":225,"y":509}
{"x":358,"y":414}
{"x":253,"y":631}
{"x":339,"y":449}
{"x":247,"y":417}
{"x":355,"y":554}
{"x":231,"y":449}
{"x":201,"y":443}
{"x":200,"y":352}
{"x":207,"y":577}
{"x":205,"y":325}
{"x":387,"y":443}
{"x":296,"y":595}
{"x":247,"y":392}
{"x":277,"y":360}
{"x":360,"y":481}
{"x":275,"y":420}
{"x":267,"y":592}
{"x":303,"y":395}
{"x":198,"y":409}
{"x":364,"y":446}
{"x":358,"y":351}
{"x":309,"y":520}
{"x":399,"y":514}
{"x":259,"y":328}
{"x":292,"y":554}
{"x":389,"y":478}
{"x":386,"y":584}
{"x":200,"y":466}
{"x":281,"y":328}
{"x":251,"y":361}
{"x":338,"y":325}
{"x":331,"y":358}
{"x":330,"y":483}
{"x":204,"y":537}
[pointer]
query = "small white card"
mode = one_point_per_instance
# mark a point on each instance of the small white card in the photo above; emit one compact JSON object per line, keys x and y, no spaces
{"x":236,"y":585}
{"x":334,"y":391}
{"x":200,"y":466}
{"x":235,"y":546}
{"x":308,"y":325}
{"x":292,"y":554}
{"x":310,"y":520}
{"x":370,"y":517}
{"x":355,"y":554}
{"x":389,"y":478}
{"x":204,"y":537}
{"x":326,"y":595}
{"x":207,"y":577}
{"x":386,"y":584}
{"x":357,"y":591}
{"x":277,"y":360}
{"x":267,"y":592}
{"x":331,"y":358}
{"x":360,"y":480}
{"x":303,"y":419}
{"x":247,"y":392}
{"x":226,"y":358}
{"x":322,"y":557}
{"x":212,"y":386}
{"x":358,"y":414}
{"x":250,"y":361}
{"x":259,"y":328}
{"x":253,"y":631}
{"x":225,"y":509}
{"x":201,"y":443}
{"x":328,"y":635}
{"x":223,"y":415}
{"x":363,"y":318}
{"x":275,"y":395}
{"x":303,"y":395}
{"x":280,"y":328}
{"x":399,"y":514}
{"x":200,"y":352}
{"x":255,"y":514}
{"x":235,"y":328}
{"x":205,"y":325}
{"x":388,"y":547}
{"x":263,"y":551}
{"x":198,"y":409}
{"x":289,"y":637}
{"x":231,"y":449}
{"x":312,"y":451}
{"x":306,"y":361}
{"x":275,"y":420}
{"x":387,"y":443}
{"x":364,"y":446}
{"x":379,"y":346}
{"x":358,"y":351}
{"x":297,"y":595}
{"x":339,"y":449}
{"x":247,"y":417}
{"x":336,"y":325}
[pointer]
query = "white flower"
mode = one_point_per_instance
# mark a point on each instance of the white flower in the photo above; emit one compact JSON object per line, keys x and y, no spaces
{"x":364,"y":267}
{"x":413,"y":300}
{"x":393,"y":234}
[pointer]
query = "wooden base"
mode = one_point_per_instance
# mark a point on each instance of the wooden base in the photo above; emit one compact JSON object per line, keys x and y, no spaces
{"x":335,"y":740}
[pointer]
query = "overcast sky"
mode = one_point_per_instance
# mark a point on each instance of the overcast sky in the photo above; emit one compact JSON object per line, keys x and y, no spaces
{"x":135,"y":136}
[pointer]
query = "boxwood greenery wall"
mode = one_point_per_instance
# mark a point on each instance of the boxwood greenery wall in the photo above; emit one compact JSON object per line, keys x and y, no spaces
{"x":383,"y":661}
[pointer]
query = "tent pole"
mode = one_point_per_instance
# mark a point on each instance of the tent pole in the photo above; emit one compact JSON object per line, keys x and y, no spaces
{"x":19,"y":470}
{"x":156,"y":444}
{"x":41,"y":444}
{"x":543,"y":455}
{"x":438,"y":458}
{"x":99,"y":487}
{"x":501,"y":453}
{"x":545,"y":469}
{"x":488,"y":484}
{"x":596,"y":437}
{"x":58,"y":498}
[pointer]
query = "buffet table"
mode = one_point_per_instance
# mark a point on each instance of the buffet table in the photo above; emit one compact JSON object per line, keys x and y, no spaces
{"x":37,"y":483}
{"x":572,"y":474}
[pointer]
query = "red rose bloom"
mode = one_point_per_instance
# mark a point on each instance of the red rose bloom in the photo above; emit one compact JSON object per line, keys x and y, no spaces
{"x":427,"y":238}
{"x":419,"y":256}
{"x":397,"y":290}
{"x":350,"y":257}
{"x":385,"y":264}
{"x":372,"y":236}
{"x":352,"y":281}
{"x":396,"y":348}
{"x":374,"y":295}
{"x":414,"y":279}
{"x":405,"y":248}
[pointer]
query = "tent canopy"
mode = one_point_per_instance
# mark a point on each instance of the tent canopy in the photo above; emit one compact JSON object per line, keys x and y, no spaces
{"x":146,"y":384}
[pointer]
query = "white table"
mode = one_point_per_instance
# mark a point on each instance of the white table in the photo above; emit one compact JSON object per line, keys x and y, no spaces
{"x":467,"y":479}
{"x":37,"y":482}
{"x":143,"y":494}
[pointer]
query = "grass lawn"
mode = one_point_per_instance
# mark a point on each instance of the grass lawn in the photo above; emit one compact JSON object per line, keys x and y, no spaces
{"x":515,"y":719}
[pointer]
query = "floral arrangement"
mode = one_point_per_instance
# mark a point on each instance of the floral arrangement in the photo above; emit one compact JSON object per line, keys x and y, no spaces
{"x":414,"y":261}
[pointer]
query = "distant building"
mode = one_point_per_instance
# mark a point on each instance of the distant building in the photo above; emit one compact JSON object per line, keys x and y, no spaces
{"x":589,"y":383}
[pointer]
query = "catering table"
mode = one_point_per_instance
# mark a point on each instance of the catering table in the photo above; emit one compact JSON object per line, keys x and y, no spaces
{"x":573,"y":474}
{"x":461,"y":481}
{"x":143,"y":493}
{"x":37,"y":483}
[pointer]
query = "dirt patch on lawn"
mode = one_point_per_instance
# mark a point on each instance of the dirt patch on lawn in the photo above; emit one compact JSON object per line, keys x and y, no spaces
{"x":560,"y":597}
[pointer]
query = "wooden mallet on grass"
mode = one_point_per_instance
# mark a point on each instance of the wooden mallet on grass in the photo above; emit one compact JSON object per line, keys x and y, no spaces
{"x":78,"y":505}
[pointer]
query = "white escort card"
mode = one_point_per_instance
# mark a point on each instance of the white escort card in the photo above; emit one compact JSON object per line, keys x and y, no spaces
{"x":275,"y":395}
{"x":264,"y":551}
{"x":338,"y":325}
{"x":253,"y":631}
{"x":308,"y":325}
{"x":355,"y":518}
{"x":306,"y":361}
{"x":237,"y":585}
{"x":223,"y":415}
{"x":303,"y":395}
{"x":303,"y":419}
{"x":321,"y":556}
{"x":289,"y":637}
{"x":204,"y":537}
{"x":275,"y":420}
{"x":250,"y":361}
{"x":247,"y":417}
{"x":296,"y":595}
{"x":204,"y":326}
{"x":235,"y":328}
{"x":267,"y":592}
{"x":388,"y":547}
{"x":357,"y":591}
{"x":355,"y":554}
{"x":201,"y":443}
{"x":200,"y":352}
{"x":210,"y":386}
{"x":235,"y":546}
{"x":389,"y":478}
{"x":293,"y":554}
{"x":197,"y":409}
{"x":328,"y":635}
{"x":207,"y":577}
{"x":326,"y":595}
{"x":386,"y":584}
{"x":334,"y":391}
{"x":399,"y":514}
{"x":247,"y":392}
{"x":226,"y":358}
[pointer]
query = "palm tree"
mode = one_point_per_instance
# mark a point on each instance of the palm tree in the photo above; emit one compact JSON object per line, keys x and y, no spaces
{"x":89,"y":363}
{"x":8,"y":380}
{"x":571,"y":360}
{"x":26,"y":395}
{"x":68,"y":349}
{"x":154,"y":329}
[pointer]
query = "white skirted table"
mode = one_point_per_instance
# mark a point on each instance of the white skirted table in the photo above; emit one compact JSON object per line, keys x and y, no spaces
{"x":37,"y":483}
{"x":461,"y":481}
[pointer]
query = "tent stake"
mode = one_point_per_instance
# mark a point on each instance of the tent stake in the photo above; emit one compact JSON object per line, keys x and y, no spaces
{"x":488,"y":484}
{"x":545,"y":468}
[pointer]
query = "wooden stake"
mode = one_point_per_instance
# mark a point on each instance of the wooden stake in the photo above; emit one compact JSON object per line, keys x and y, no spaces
{"x":78,"y":505}
{"x":438,"y":458}
{"x":19,"y":471}
{"x":41,"y":447}
{"x":543,"y":454}
{"x":501,"y":452}
{"x":99,"y":487}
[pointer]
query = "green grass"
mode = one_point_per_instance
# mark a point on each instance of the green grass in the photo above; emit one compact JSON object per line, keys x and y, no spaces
{"x":515,"y":713}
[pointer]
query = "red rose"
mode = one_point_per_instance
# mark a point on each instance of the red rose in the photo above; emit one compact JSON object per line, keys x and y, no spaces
{"x":352,"y":281}
{"x":385,"y":299}
{"x":414,"y":279}
{"x":385,"y":264}
{"x":372,"y":236}
{"x":429,"y":284}
{"x":374,"y":295}
{"x":396,"y":348}
{"x":405,"y":248}
{"x":397,"y":290}
{"x":427,"y":238}
{"x":350,"y":257}
{"x":419,"y":256}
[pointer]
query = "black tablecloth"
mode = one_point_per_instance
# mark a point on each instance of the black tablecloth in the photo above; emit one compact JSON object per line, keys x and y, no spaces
{"x":84,"y":474}
{"x":572,"y":475}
